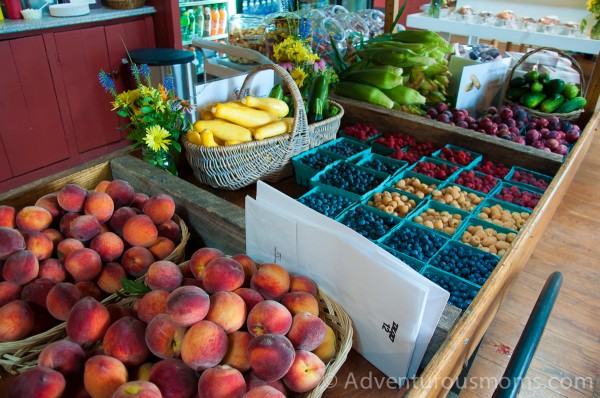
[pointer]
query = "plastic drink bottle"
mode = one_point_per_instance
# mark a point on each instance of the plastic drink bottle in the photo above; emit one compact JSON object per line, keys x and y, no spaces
{"x":214,"y":24}
{"x":207,"y":21}
{"x":222,"y":19}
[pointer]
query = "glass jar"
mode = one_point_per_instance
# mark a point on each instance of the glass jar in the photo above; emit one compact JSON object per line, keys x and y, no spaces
{"x":246,"y":31}
{"x":278,"y":27}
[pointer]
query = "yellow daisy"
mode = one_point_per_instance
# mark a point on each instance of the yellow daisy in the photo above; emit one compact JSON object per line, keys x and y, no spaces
{"x":298,"y":75}
{"x":157,"y":138}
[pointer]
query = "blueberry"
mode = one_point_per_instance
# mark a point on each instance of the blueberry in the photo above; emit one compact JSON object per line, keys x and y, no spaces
{"x":466,"y":263}
{"x":349,"y":177}
{"x":327,"y":204}
{"x":317,"y":161}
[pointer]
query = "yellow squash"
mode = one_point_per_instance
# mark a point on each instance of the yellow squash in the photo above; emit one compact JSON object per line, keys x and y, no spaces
{"x":243,"y":116}
{"x":194,"y":137}
{"x":272,"y":105}
{"x":208,"y":138}
{"x":270,"y":130}
{"x":224,"y":130}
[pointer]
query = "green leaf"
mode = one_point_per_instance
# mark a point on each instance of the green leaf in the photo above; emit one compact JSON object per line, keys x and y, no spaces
{"x":134,"y":287}
{"x":398,"y":16}
{"x":177,"y":146}
{"x":147,"y":100}
{"x":122,"y":113}
{"x":146,"y":109}
{"x":148,"y":119}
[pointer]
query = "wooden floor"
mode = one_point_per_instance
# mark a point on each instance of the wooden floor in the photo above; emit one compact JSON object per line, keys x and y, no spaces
{"x":567,"y":362}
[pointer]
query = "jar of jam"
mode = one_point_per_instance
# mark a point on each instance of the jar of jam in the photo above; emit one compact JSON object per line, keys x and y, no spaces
{"x":246,"y":31}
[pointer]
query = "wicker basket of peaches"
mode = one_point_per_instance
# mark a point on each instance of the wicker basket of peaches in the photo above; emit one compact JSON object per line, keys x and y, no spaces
{"x":214,"y":326}
{"x":76,"y":245}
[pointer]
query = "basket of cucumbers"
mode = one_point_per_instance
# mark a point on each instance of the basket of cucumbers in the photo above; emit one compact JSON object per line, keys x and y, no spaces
{"x":544,"y":95}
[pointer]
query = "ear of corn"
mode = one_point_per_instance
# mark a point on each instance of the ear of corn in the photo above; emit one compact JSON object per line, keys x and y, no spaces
{"x":364,"y":92}
{"x":383,"y":77}
{"x":405,"y":96}
{"x":224,"y":130}
{"x":245,"y":117}
{"x":272,"y":105}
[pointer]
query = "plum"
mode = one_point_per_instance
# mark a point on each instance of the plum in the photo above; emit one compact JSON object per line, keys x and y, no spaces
{"x":561,"y":150}
{"x":506,"y":113}
{"x":492,"y":110}
{"x":432,"y":113}
{"x":519,"y":114}
{"x":572,"y":136}
{"x":441,"y":107}
{"x":532,"y":136}
{"x":552,"y":143}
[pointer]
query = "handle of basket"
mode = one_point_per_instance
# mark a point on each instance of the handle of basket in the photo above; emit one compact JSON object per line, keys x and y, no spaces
{"x":530,"y":53}
{"x":300,"y":118}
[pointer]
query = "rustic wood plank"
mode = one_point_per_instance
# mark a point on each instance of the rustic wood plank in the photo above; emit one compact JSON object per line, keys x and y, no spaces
{"x":213,"y":222}
{"x":495,"y":149}
{"x":593,"y":90}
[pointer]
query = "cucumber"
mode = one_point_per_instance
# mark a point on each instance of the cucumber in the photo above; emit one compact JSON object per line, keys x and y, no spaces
{"x":532,"y":100}
{"x":318,"y":97}
{"x":571,"y":105}
{"x":536,"y":87}
{"x":570,"y":91}
{"x":550,"y":104}
{"x":554,"y":86}
{"x":514,"y":93}
{"x":276,"y":92}
{"x":532,"y":76}
{"x":544,"y":78}
{"x":518,"y":82}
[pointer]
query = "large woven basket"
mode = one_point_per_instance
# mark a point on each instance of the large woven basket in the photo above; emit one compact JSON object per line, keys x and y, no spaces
{"x":236,"y":166}
{"x":574,"y":115}
{"x":18,"y":356}
{"x":326,"y":130}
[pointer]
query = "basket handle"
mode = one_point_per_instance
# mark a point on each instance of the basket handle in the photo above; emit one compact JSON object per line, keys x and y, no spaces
{"x":300,"y":118}
{"x":530,"y":53}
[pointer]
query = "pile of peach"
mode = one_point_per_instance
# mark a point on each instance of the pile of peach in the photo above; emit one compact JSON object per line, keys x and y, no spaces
{"x":504,"y":218}
{"x":439,"y":220}
{"x":488,"y":239}
{"x":217,"y":326}
{"x":415,"y":186}
{"x":76,"y":243}
{"x":456,"y":197}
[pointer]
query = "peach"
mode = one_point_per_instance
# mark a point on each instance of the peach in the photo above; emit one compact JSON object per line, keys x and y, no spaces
{"x":103,"y":375}
{"x":223,"y":274}
{"x":137,"y":389}
{"x":302,"y":283}
{"x":160,"y":208}
{"x":136,"y":260}
{"x":227,"y":310}
{"x":222,"y":381}
{"x":271,"y":356}
{"x":89,"y":289}
{"x":7,"y":216}
{"x":104,"y":228}
{"x":52,"y":269}
{"x":61,"y":299}
{"x":298,"y":302}
{"x":201,"y":257}
{"x":264,"y":392}
{"x":84,"y":228}
{"x":139,"y":230}
{"x":65,"y":357}
{"x":11,"y":241}
{"x":109,"y":280}
{"x":109,"y":246}
{"x":186,"y":270}
{"x":139,"y":200}
{"x":253,"y":382}
{"x":38,"y":382}
{"x":170,"y":230}
{"x":64,"y":224}
{"x":33,"y":218}
{"x":87,"y":322}
{"x":271,"y":280}
{"x":118,"y":311}
{"x":152,"y":304}
{"x":17,"y":320}
{"x":174,"y":379}
{"x":269,"y":316}
{"x":99,"y":205}
{"x":68,"y":246}
{"x":162,"y":248}
{"x":305,"y":373}
{"x":250,"y":296}
{"x":121,"y":192}
{"x":141,"y":372}
{"x":187,"y":305}
{"x":50,"y":203}
{"x":248,"y":264}
{"x":40,"y":244}
{"x":307,"y":332}
{"x":54,"y":234}
{"x":326,"y":349}
{"x":192,"y":282}
{"x":125,"y":340}
{"x":237,"y":351}
{"x":164,"y":275}
{"x":8,"y":292}
{"x":36,"y":291}
{"x":119,"y":218}
{"x":21,"y":267}
{"x":83,"y":264}
{"x":163,"y":337}
{"x":101,"y":186}
{"x":199,"y":355}
{"x":71,"y":198}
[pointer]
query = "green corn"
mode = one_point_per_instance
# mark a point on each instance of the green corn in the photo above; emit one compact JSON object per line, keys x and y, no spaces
{"x":435,"y":97}
{"x":427,"y":85}
{"x":363,"y":92}
{"x":420,"y":36}
{"x":434,"y":70}
{"x":382,"y":77}
{"x":403,"y":95}
{"x":401,"y":60}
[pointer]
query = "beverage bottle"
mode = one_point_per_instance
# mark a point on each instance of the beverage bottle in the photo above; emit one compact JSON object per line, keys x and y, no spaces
{"x":184,"y":21}
{"x":199,"y":22}
{"x":13,"y":9}
{"x":222,"y":18}
{"x":207,"y":21}
{"x":214,"y":24}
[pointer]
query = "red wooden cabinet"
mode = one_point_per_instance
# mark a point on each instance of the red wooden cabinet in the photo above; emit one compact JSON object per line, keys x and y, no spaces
{"x":32,"y":132}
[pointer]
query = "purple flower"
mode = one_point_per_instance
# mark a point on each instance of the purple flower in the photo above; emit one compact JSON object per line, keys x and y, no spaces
{"x":287,"y":66}
{"x":320,"y":65}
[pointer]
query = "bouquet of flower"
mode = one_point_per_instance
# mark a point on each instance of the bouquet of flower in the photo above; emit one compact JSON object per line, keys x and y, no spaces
{"x":156,"y":116}
{"x":593,"y":6}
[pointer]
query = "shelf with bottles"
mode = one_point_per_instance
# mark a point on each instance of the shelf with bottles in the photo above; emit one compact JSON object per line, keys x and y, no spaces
{"x":201,"y":2}
{"x":208,"y":20}
{"x":261,"y":7}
